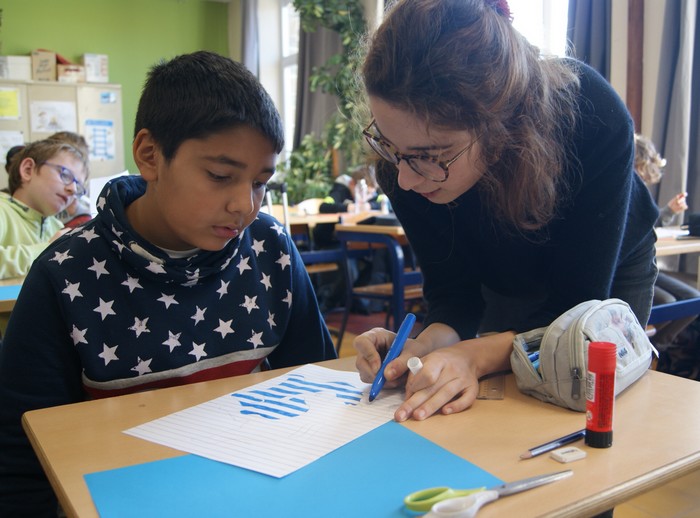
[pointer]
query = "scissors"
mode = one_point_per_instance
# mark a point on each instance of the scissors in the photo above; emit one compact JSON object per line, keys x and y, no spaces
{"x":465,"y":503}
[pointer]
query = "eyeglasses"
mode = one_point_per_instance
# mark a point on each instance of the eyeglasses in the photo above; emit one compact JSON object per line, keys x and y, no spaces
{"x":427,"y":166}
{"x":67,"y":177}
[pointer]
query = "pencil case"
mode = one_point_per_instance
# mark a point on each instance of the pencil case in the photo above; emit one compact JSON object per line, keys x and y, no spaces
{"x":549,"y":363}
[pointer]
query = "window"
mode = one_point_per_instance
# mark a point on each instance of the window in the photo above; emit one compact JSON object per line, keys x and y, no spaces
{"x":290,"y":56}
{"x":543,"y":23}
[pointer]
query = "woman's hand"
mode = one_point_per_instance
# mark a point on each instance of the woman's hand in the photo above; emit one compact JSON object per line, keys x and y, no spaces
{"x":449,"y":379}
{"x":373,"y":345}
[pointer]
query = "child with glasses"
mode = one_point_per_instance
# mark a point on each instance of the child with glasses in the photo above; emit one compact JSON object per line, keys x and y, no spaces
{"x":512,"y":175}
{"x":178,"y":279}
{"x":45,"y":177}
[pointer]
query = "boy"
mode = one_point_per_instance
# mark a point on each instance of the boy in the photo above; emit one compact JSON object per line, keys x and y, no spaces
{"x":44,"y":178}
{"x":177,"y":279}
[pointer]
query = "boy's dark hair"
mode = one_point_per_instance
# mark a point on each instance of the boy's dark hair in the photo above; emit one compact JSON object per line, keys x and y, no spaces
{"x":195,"y":95}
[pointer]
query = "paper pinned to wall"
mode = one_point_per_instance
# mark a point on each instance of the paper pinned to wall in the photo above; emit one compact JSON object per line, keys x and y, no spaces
{"x":277,"y":426}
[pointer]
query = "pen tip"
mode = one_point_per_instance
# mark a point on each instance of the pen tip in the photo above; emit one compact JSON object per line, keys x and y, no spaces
{"x":371,"y":398}
{"x":527,"y":455}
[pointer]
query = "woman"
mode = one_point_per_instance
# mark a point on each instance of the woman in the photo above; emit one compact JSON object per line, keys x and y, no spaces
{"x":513,"y":178}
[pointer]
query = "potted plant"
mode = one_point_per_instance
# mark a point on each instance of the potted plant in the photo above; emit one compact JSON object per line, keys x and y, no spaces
{"x":308,"y":172}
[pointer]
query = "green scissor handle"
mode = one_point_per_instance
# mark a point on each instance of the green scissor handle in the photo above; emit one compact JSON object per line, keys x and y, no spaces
{"x":423,"y":501}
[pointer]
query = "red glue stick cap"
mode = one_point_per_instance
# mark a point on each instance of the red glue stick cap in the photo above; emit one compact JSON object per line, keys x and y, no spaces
{"x":602,"y":356}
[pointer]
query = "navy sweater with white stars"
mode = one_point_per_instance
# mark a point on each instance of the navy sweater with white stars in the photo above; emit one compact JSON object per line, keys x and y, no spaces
{"x":103,"y":312}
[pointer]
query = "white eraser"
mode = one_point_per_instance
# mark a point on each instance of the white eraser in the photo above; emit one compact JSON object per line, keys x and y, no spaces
{"x":414,"y":365}
{"x":568,"y":454}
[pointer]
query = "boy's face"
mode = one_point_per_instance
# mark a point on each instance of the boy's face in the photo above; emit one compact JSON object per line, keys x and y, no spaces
{"x":209,"y":192}
{"x":42,"y":188}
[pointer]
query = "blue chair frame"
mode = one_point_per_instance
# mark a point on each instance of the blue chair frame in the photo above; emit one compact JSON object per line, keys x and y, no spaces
{"x":400,"y":278}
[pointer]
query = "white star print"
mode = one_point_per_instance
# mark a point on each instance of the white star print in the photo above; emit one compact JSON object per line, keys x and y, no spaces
{"x":225,"y":264}
{"x":271,"y":319}
{"x":194,"y":276}
{"x":89,"y":234}
{"x":198,"y":350}
{"x":284,"y":260}
{"x":98,"y":267}
{"x":59,"y":257}
{"x":119,"y":245}
{"x":116,"y":232}
{"x":198,"y":316}
{"x":105,"y":308}
{"x":250,"y":303}
{"x":265,"y":281}
{"x":223,"y":289}
{"x":168,"y":300}
{"x":288,"y":298}
{"x":142,"y":366}
{"x":72,"y":290}
{"x":258,"y":247}
{"x":173,"y":340}
{"x":277,"y":228}
{"x":101,"y":202}
{"x":132,"y":283}
{"x":224,"y":328}
{"x":155,"y":267}
{"x":108,"y":353}
{"x":78,"y":336}
{"x":140,"y":326}
{"x":255,"y":339}
{"x":243,"y":265}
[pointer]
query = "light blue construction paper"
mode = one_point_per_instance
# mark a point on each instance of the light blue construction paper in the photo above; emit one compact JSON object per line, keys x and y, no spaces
{"x":367,"y":477}
{"x":10,"y":292}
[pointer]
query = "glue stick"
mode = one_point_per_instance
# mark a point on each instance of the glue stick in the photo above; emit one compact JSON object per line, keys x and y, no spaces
{"x":600,"y":394}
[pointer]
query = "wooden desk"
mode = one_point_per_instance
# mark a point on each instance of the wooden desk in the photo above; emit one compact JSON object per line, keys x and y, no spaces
{"x":9,"y":297}
{"x":655,"y":441}
{"x":673,"y":246}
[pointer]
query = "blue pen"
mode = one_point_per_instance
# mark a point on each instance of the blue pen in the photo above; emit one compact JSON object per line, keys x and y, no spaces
{"x":393,"y":353}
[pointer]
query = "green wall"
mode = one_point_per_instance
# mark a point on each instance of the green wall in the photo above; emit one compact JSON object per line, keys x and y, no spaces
{"x":134,"y":34}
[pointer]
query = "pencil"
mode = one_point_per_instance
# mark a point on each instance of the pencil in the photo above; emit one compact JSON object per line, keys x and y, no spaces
{"x":553,"y":445}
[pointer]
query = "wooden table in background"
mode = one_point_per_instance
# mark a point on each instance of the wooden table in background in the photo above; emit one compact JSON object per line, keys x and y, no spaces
{"x":656,"y":440}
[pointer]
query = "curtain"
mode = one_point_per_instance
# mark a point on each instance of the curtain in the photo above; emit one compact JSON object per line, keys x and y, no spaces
{"x":588,"y":32}
{"x":250,"y":50}
{"x":677,"y":110}
{"x":314,"y":109}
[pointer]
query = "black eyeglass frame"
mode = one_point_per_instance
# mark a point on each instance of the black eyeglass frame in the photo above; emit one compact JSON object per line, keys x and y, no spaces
{"x":386,"y":151}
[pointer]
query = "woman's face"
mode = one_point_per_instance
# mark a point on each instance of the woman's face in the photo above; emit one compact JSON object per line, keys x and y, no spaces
{"x":407,"y":134}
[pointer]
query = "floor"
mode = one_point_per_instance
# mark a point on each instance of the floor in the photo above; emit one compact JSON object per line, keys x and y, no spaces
{"x":678,"y":499}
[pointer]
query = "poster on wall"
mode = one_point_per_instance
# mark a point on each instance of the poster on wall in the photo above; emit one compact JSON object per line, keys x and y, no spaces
{"x":9,"y":139}
{"x":9,"y":104}
{"x":99,"y":134}
{"x":52,"y":116}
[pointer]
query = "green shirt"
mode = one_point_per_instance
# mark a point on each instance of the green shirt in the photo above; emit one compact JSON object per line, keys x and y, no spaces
{"x":24,"y":233}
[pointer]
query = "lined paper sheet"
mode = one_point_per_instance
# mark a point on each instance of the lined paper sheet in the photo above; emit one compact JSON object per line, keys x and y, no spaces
{"x":277,"y":426}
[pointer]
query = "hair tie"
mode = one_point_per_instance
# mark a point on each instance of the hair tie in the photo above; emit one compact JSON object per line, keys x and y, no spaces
{"x":501,"y":7}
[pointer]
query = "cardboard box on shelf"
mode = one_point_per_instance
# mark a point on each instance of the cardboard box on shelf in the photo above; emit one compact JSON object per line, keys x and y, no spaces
{"x":96,"y":68}
{"x":43,"y":65}
{"x":70,"y":73}
{"x":18,"y":68}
